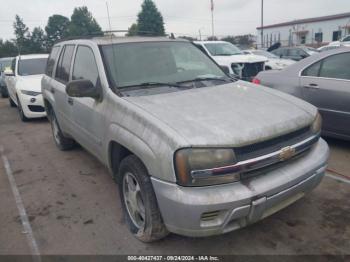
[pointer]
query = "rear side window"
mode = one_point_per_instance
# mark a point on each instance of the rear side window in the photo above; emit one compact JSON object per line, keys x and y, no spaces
{"x":336,"y":66}
{"x":52,"y":60}
{"x":85,"y":65}
{"x":64,"y":64}
{"x":312,"y":70}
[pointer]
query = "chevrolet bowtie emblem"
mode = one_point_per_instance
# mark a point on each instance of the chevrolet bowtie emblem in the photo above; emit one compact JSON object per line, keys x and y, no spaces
{"x":286,"y":153}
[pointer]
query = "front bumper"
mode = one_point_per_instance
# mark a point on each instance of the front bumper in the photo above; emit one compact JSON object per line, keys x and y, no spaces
{"x":204,"y":211}
{"x":31,"y":108}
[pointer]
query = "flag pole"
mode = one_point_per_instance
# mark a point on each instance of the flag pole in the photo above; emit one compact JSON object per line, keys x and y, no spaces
{"x":212,"y":19}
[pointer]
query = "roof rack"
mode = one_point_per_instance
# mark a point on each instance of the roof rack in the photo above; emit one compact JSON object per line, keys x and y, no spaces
{"x":108,"y":33}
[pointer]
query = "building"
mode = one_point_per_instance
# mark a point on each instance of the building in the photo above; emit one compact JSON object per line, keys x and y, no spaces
{"x":311,"y":31}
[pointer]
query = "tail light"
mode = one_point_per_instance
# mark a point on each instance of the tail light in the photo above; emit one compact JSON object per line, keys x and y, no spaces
{"x":256,"y":81}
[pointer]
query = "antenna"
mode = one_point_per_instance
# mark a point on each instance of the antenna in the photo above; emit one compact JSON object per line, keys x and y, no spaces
{"x":109,"y":18}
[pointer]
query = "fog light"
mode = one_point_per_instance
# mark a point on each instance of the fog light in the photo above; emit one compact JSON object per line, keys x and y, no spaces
{"x":32,"y":100}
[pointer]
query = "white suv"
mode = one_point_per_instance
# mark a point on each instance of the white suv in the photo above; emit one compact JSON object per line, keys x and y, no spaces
{"x":24,"y":85}
{"x":244,"y":66}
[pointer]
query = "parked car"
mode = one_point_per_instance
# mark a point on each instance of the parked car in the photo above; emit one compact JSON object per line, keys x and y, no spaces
{"x":241,"y":65}
{"x":294,"y":53}
{"x":24,"y":86}
{"x":345,"y":41}
{"x":327,"y":48}
{"x":194,"y":151}
{"x":274,"y":62}
{"x":324,"y":81}
{"x":5,"y":64}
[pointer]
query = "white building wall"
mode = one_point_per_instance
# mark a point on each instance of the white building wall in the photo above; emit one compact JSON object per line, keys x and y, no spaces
{"x":290,"y":35}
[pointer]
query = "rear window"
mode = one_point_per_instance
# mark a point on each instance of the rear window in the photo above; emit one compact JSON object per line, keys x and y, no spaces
{"x":35,"y":66}
{"x":52,"y":60}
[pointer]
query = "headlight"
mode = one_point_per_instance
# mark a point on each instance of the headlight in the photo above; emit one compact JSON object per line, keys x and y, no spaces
{"x":317,"y":124}
{"x":196,"y":167}
{"x":30,"y":93}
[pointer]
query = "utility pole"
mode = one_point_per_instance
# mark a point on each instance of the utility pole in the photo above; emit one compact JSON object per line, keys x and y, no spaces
{"x":212,"y":18}
{"x":262,"y":23}
{"x":200,"y":35}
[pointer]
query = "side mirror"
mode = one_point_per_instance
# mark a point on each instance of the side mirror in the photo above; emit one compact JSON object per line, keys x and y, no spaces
{"x":225,"y":69}
{"x":82,"y":88}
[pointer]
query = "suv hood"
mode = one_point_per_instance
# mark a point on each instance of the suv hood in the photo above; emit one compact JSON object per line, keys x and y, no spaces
{"x":30,"y":83}
{"x":234,"y":114}
{"x":239,"y":59}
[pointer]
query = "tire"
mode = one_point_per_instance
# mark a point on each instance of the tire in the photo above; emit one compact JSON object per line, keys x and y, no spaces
{"x":12,"y":104}
{"x":62,"y":142}
{"x":3,"y":92}
{"x":149,"y":226}
{"x":20,"y":111}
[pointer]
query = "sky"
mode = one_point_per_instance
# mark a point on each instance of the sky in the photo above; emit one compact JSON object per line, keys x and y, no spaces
{"x":181,"y":17}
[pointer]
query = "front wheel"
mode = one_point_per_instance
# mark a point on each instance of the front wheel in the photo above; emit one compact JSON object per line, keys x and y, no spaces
{"x":20,"y":111}
{"x":139,"y":201}
{"x":12,"y":104}
{"x":62,"y":142}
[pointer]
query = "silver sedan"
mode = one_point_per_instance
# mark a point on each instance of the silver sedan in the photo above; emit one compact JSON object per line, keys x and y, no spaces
{"x":324,"y":81}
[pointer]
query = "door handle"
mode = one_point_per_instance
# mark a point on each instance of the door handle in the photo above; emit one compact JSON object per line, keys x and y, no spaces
{"x":52,"y":90}
{"x":70,"y":101}
{"x":312,"y":85}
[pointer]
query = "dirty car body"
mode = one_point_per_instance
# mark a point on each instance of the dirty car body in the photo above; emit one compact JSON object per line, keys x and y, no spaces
{"x":220,"y":154}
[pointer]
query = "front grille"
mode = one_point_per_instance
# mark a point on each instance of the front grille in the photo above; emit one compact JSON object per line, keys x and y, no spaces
{"x":251,"y":70}
{"x":272,"y":145}
{"x":37,"y":109}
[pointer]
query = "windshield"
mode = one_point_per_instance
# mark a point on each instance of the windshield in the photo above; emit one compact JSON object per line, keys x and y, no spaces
{"x":223,"y":49}
{"x":264,"y":53}
{"x":5,"y":63}
{"x":35,"y":66}
{"x":134,"y":64}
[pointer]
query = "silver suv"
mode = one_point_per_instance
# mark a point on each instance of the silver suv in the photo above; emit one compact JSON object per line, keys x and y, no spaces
{"x":194,"y":152}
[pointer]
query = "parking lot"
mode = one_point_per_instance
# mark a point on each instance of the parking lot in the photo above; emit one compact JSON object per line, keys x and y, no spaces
{"x":73,"y":205}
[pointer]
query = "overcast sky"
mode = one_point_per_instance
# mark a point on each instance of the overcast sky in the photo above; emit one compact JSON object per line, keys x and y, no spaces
{"x":183,"y":17}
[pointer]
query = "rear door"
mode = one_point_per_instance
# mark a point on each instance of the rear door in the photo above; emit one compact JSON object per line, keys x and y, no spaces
{"x":11,"y":81}
{"x":326,"y":84}
{"x":63,"y":109}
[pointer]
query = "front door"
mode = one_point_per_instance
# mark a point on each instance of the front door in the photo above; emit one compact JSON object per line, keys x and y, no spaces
{"x":326,"y":84}
{"x":88,"y":113}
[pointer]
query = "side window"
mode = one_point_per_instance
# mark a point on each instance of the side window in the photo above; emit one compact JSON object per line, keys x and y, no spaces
{"x":85,"y":65}
{"x":346,"y":39}
{"x":13,"y":65}
{"x":64,"y":63}
{"x":336,"y":66}
{"x":294,"y":52}
{"x":277,"y":52}
{"x":52,"y":60}
{"x":312,"y":70}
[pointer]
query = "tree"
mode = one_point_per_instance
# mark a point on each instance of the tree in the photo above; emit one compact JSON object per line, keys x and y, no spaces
{"x":230,"y":39}
{"x":7,"y":49}
{"x":82,"y":23}
{"x":56,"y":29}
{"x":133,"y":30}
{"x":212,"y":38}
{"x":150,"y":20}
{"x":37,"y":40}
{"x":22,"y":35}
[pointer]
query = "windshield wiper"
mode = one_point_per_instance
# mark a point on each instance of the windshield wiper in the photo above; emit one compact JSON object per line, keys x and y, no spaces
{"x":209,"y":79}
{"x":151,"y":84}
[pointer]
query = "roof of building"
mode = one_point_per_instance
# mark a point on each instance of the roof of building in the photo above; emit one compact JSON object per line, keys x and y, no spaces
{"x":309,"y":20}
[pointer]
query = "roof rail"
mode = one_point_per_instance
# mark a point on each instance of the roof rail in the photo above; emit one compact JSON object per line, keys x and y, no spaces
{"x":108,"y":33}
